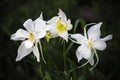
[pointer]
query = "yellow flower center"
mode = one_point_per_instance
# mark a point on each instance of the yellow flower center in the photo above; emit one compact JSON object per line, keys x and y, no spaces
{"x":31,"y":36}
{"x":60,"y":27}
{"x":89,"y":43}
{"x":47,"y":35}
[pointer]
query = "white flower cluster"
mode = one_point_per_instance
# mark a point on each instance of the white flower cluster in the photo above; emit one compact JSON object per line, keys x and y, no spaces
{"x":58,"y":26}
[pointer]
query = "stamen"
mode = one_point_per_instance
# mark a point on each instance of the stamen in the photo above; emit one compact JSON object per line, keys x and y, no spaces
{"x":47,"y":35}
{"x":90,"y":43}
{"x":60,"y":27}
{"x":31,"y":36}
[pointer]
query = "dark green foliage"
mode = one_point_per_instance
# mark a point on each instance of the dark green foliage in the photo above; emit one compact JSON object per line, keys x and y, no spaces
{"x":59,"y":66}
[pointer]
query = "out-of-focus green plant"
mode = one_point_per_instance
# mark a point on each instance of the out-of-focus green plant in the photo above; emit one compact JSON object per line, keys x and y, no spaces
{"x":14,"y":13}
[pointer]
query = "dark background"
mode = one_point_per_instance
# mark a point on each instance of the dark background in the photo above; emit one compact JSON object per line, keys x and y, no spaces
{"x":13,"y":13}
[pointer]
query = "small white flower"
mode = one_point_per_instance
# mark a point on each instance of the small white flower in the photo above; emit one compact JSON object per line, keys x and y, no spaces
{"x":35,"y":31}
{"x":89,"y":43}
{"x":59,"y":26}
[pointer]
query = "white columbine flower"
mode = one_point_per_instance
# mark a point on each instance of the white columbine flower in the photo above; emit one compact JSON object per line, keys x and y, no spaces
{"x":59,"y":26}
{"x":35,"y":30}
{"x":89,"y":43}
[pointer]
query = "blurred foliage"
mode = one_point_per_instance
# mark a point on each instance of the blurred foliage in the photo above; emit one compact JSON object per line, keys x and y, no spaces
{"x":59,"y":66}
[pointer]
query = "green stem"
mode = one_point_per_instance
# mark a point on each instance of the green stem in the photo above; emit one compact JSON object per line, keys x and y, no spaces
{"x":52,"y":61}
{"x":64,"y":57}
{"x":69,"y":47}
{"x":73,"y":71}
{"x":39,"y":70}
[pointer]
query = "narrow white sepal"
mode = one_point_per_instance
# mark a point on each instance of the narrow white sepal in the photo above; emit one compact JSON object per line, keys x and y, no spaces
{"x":20,"y":35}
{"x":109,"y":37}
{"x":79,"y":38}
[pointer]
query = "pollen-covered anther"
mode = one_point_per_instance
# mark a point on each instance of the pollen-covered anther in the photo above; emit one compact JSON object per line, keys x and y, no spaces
{"x":31,"y":36}
{"x":90,"y":43}
{"x":48,"y":35}
{"x":60,"y":27}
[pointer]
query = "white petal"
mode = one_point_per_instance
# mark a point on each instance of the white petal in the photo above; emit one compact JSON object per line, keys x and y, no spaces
{"x":23,"y":51}
{"x":78,"y":53}
{"x":91,"y":61}
{"x":62,"y":15}
{"x":94,"y":32}
{"x":41,"y":34}
{"x":53,"y":20}
{"x":52,"y":29}
{"x":99,"y":44}
{"x":36,"y":52}
{"x":28,"y":44}
{"x":79,"y":38}
{"x":69,"y":25}
{"x":84,"y":51}
{"x":109,"y":37}
{"x":39,"y":25}
{"x":20,"y":35}
{"x":28,"y":24}
{"x":64,"y":35}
